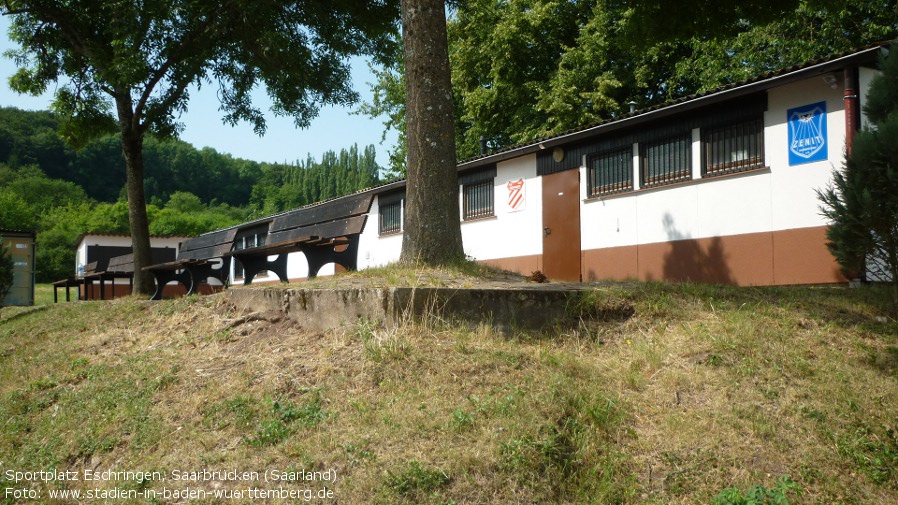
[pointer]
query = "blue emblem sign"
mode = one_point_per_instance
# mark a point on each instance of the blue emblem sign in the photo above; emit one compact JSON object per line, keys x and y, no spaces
{"x":807,"y":133}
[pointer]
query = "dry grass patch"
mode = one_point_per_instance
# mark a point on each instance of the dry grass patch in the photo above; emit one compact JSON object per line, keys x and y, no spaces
{"x":703,"y":393}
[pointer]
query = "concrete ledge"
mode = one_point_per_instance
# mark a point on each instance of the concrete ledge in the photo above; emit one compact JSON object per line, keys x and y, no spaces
{"x":507,"y":310}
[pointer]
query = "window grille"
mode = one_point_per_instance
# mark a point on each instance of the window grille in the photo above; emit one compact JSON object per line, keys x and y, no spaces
{"x":733,"y":148}
{"x":391,"y":217}
{"x":478,"y":199}
{"x":611,"y":172}
{"x":667,"y":161}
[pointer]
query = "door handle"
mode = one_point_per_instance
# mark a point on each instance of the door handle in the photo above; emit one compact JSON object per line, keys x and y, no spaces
{"x":547,"y":231}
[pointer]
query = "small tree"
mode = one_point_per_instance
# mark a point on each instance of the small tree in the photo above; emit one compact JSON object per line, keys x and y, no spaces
{"x":862,"y":201}
{"x":6,"y":271}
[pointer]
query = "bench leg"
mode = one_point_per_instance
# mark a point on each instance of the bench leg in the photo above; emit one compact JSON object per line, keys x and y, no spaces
{"x":163,"y":277}
{"x":252,"y":265}
{"x":197,"y":276}
{"x":318,"y":256}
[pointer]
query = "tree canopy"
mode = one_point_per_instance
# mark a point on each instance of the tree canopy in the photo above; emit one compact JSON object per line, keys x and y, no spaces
{"x":525,"y":69}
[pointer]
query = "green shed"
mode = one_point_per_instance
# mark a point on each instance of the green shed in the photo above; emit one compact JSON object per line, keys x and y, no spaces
{"x":20,"y":245}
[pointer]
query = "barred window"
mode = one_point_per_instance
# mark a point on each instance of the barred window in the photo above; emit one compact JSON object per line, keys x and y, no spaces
{"x":391,"y":218}
{"x":248,"y":239}
{"x":611,"y":172}
{"x":733,"y":148}
{"x":478,"y":199}
{"x":390,"y":210}
{"x":667,"y":161}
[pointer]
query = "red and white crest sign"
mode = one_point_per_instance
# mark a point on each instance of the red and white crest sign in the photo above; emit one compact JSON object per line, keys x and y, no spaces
{"x":516,"y":195}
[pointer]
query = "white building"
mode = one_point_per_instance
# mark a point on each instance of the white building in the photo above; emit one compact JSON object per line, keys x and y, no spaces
{"x":720,"y":187}
{"x":93,"y":252}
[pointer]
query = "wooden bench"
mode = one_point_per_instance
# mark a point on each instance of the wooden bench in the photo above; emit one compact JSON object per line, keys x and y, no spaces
{"x":324,"y":233}
{"x":122,"y":267}
{"x":196,"y":262}
{"x":79,"y":282}
{"x":67,"y":284}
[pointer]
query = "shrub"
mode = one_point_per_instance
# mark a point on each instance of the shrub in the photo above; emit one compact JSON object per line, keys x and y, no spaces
{"x":6,"y":272}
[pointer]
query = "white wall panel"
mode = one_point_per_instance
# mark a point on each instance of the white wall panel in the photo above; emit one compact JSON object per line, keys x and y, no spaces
{"x":793,"y":188}
{"x":510,"y":233}
{"x":608,"y":222}
{"x":667,"y":214}
{"x":374,"y":250}
{"x":734,"y":205}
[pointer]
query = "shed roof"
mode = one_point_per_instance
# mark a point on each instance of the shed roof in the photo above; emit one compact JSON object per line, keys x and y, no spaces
{"x":27,"y":233}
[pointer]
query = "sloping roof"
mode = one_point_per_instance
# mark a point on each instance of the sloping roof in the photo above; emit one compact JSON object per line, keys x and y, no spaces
{"x":374,"y":189}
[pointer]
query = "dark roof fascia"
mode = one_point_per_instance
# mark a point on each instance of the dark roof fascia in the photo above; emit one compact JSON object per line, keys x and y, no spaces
{"x":18,"y":233}
{"x":81,"y":237}
{"x":712,"y":97}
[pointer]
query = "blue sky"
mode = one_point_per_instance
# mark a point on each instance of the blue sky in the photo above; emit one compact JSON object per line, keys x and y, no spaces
{"x":335,"y":128}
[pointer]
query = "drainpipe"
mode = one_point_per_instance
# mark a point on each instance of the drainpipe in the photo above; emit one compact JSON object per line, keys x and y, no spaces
{"x":852,"y":107}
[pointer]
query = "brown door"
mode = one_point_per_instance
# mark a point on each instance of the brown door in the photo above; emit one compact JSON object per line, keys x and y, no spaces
{"x":561,"y":226}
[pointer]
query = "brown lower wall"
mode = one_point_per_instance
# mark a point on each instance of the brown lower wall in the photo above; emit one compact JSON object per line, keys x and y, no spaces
{"x":119,"y":290}
{"x":524,"y":265}
{"x":801,"y":257}
{"x":783,"y":257}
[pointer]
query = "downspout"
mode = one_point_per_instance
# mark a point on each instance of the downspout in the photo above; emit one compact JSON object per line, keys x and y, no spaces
{"x":852,"y":107}
{"x":852,"y":122}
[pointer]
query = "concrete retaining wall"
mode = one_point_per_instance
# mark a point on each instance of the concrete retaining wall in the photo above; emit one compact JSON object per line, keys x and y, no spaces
{"x":507,"y":310}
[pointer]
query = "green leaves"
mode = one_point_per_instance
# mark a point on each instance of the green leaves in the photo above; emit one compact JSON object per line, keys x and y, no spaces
{"x":143,"y":55}
{"x":524,"y":69}
{"x":862,"y":201}
{"x":6,"y":271}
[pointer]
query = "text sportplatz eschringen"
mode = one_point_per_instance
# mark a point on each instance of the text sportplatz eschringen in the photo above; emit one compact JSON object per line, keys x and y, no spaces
{"x":204,"y":475}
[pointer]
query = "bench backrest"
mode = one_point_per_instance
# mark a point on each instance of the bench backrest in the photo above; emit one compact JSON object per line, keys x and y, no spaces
{"x":318,"y":219}
{"x":125,"y":262}
{"x":332,"y":229}
{"x":207,"y":246}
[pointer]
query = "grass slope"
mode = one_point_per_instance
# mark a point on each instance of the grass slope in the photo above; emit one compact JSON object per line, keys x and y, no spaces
{"x":706,"y":394}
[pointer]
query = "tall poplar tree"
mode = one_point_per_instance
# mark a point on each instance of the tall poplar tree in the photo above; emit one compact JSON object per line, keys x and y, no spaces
{"x":125,"y":65}
{"x":432,"y":227}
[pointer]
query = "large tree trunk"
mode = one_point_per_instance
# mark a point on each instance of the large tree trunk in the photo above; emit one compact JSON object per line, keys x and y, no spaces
{"x":432,"y":227}
{"x":132,"y":147}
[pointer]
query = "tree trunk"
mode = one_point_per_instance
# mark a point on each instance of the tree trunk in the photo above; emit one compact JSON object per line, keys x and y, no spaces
{"x":132,"y":147}
{"x":432,"y":227}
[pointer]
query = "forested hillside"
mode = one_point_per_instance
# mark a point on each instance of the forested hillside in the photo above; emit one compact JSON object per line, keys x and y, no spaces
{"x":62,"y":192}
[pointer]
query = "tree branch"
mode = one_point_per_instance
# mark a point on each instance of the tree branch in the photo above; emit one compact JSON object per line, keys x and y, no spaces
{"x":185,"y":44}
{"x":9,"y":11}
